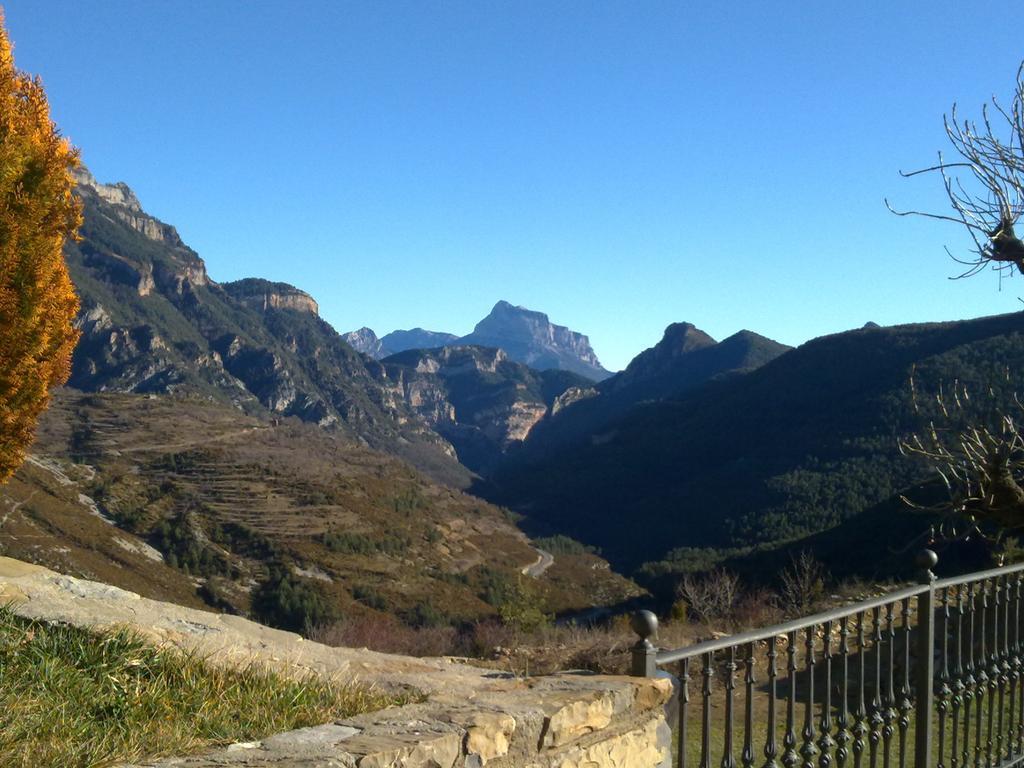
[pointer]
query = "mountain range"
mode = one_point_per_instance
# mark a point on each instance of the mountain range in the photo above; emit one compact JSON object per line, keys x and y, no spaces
{"x":526,"y":336}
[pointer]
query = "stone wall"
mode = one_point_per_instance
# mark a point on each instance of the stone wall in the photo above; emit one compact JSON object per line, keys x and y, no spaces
{"x":470,"y":717}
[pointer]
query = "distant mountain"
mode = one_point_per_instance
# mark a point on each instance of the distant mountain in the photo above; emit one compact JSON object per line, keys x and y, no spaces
{"x":478,"y":399}
{"x":530,"y":338}
{"x":364,"y":340}
{"x":801,"y":444}
{"x":685,"y":358}
{"x":527,"y":336}
{"x":153,"y":321}
{"x":417,"y":338}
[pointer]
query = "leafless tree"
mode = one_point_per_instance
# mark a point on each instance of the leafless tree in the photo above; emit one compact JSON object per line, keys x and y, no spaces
{"x":712,"y":596}
{"x":803,"y":584}
{"x":985,"y":182}
{"x":980,"y":459}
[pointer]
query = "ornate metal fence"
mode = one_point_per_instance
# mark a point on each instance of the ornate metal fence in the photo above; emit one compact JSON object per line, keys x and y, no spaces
{"x":929,"y":675}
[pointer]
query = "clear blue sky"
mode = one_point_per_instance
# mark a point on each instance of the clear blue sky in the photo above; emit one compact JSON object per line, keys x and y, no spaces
{"x":619,"y":166}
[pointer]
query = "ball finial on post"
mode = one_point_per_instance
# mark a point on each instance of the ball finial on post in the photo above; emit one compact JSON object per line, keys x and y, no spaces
{"x":645,"y":624}
{"x":925,"y":560}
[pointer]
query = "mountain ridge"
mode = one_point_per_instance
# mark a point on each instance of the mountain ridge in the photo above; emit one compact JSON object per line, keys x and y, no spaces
{"x":684,"y":359}
{"x":802,"y":443}
{"x":153,"y":321}
{"x":527,"y":336}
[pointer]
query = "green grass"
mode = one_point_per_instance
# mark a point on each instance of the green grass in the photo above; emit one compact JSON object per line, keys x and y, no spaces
{"x":71,"y":697}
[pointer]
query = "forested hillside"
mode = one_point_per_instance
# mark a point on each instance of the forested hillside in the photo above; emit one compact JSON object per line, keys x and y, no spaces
{"x":800,"y":445}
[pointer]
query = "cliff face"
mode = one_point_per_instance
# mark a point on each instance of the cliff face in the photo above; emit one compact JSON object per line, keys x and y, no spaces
{"x":263,"y":295}
{"x":530,"y":338}
{"x":124,"y":205}
{"x":476,"y":397}
{"x":152,"y":321}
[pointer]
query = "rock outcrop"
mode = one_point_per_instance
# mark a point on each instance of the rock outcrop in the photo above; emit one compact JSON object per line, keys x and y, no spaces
{"x":124,"y":205}
{"x":263,"y":295}
{"x":479,"y":399}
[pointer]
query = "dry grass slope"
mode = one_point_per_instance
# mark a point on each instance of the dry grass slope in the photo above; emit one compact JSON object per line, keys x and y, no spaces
{"x":202,"y":503}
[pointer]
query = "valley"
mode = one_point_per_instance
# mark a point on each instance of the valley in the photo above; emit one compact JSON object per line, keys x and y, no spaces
{"x":185,"y":500}
{"x":220,"y":444}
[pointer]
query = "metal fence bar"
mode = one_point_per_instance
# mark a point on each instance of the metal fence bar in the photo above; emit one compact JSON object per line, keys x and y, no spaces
{"x":926,"y":561}
{"x":942,"y":657}
{"x":771,"y":750}
{"x":747,"y":756}
{"x":825,"y":741}
{"x":789,"y":756}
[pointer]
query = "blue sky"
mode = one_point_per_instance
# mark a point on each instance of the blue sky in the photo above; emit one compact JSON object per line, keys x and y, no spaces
{"x":619,"y":166}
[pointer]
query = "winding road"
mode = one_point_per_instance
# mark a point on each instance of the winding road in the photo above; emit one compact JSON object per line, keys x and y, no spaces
{"x":544,"y":561}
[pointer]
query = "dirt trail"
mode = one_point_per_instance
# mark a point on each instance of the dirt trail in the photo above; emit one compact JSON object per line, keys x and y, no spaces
{"x":17,"y":505}
{"x":192,"y":443}
{"x":544,"y":561}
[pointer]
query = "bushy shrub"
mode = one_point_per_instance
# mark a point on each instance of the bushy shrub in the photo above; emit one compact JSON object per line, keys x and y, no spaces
{"x":180,"y":541}
{"x":424,"y":614}
{"x":346,"y":543}
{"x":564,"y":545}
{"x":288,"y":602}
{"x":523,"y":608}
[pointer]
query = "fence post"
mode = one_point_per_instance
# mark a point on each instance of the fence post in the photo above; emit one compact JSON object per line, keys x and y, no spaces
{"x":925,"y":561}
{"x":645,"y":624}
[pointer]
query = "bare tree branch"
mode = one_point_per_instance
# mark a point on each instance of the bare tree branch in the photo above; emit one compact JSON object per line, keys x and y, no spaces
{"x":985,"y":189}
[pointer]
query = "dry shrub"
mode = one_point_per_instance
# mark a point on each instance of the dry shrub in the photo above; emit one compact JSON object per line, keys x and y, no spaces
{"x":710,"y":596}
{"x":388,"y":635}
{"x":803,"y":584}
{"x":487,"y":638}
{"x":756,"y":608}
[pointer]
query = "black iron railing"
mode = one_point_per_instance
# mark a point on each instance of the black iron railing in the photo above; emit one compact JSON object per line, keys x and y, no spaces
{"x":929,"y":675}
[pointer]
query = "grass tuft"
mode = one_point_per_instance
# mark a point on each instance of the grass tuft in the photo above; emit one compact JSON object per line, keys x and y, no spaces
{"x":73,"y":697}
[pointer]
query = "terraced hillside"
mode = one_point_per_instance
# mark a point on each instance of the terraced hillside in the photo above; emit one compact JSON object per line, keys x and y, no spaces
{"x":188,"y":500}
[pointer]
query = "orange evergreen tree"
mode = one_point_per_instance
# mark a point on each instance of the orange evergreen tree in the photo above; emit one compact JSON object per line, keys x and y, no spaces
{"x":37,"y":300}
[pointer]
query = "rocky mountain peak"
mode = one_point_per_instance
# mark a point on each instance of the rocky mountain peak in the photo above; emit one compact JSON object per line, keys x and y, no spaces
{"x":531,"y":338}
{"x":505,"y":317}
{"x":263,"y":295}
{"x":415,"y":338}
{"x":681,"y":338}
{"x":364,"y":340}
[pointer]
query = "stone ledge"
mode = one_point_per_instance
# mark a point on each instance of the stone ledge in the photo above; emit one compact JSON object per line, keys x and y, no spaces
{"x":471,"y":717}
